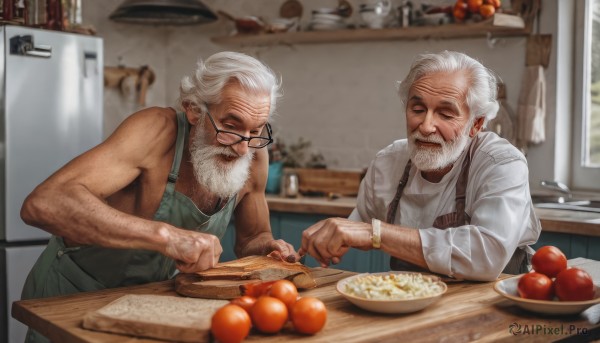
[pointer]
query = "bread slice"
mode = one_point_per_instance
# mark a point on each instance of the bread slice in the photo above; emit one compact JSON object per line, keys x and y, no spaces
{"x":156,"y":316}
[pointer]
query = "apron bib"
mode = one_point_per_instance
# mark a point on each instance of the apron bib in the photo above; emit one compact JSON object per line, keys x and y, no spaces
{"x":518,"y":263}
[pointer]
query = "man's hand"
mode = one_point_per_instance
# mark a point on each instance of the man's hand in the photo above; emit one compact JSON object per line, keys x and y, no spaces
{"x":328,"y":240}
{"x":282,"y":250}
{"x":193,"y":251}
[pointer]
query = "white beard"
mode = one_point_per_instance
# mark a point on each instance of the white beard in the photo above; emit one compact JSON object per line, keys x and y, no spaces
{"x":429,"y":159}
{"x":223,"y":178}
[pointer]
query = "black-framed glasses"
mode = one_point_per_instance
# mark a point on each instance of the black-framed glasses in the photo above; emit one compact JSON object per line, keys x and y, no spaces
{"x":231,"y":138}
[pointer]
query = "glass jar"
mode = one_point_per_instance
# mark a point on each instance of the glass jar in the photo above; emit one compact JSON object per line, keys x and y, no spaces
{"x":36,"y":13}
{"x":71,"y":13}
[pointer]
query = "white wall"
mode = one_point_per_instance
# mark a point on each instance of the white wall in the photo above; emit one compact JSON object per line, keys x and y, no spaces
{"x":339,"y":96}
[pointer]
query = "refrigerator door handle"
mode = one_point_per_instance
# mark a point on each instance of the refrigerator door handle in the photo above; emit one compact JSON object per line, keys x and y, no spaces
{"x":23,"y":45}
{"x":39,"y":53}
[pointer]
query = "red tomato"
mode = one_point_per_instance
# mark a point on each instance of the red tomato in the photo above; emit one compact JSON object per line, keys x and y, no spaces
{"x":256,"y":289}
{"x":461,"y":4}
{"x":459,"y":15}
{"x":459,"y":11}
{"x":309,"y":315}
{"x":535,"y":286}
{"x":285,"y":291}
{"x":474,"y":5}
{"x":549,"y":260}
{"x":487,"y":11}
{"x":245,"y":301}
{"x":574,"y":284}
{"x":230,"y":324}
{"x":495,"y":3}
{"x":269,"y":314}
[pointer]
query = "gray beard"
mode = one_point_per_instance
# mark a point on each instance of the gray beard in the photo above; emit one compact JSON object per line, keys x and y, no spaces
{"x":222,"y":178}
{"x":430,"y":159}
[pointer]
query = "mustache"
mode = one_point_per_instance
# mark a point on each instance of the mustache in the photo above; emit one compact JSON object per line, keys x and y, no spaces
{"x":434,"y":138}
{"x":220,"y":150}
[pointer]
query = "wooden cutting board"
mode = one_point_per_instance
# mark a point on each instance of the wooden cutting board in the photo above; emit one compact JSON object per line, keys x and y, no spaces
{"x":156,"y":316}
{"x":224,"y":281}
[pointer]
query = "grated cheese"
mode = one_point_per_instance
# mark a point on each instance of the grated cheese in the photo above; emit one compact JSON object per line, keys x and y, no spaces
{"x":393,"y":286}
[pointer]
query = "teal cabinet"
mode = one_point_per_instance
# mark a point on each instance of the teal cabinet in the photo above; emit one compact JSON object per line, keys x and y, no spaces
{"x":571,"y":245}
{"x":289,"y":227}
{"x":227,"y":242}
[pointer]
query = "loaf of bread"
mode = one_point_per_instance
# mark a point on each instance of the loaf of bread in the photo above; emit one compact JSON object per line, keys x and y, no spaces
{"x":156,"y":316}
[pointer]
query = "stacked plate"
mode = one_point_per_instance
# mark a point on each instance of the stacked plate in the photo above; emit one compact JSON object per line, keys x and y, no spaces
{"x":326,"y":19}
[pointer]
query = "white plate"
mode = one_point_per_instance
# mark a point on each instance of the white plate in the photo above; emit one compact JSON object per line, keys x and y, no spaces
{"x":321,"y":27}
{"x":324,"y":10}
{"x":390,"y":306}
{"x":325,"y":22}
{"x":508,"y":289}
{"x":327,"y":17}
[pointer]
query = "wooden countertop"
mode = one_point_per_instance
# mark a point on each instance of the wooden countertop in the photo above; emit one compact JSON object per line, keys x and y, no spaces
{"x":563,"y":221}
{"x":340,"y":207}
{"x":468,"y":311}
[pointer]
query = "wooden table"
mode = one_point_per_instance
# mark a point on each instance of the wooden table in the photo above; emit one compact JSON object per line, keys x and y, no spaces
{"x":468,"y":311}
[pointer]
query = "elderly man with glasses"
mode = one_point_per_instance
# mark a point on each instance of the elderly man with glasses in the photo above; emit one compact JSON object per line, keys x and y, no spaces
{"x":158,"y":194}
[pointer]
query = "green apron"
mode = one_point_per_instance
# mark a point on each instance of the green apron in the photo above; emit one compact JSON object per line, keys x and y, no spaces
{"x":64,"y":270}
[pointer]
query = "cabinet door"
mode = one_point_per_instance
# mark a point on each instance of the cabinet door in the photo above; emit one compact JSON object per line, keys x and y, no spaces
{"x":559,"y":240}
{"x":228,"y":240}
{"x":571,"y":245}
{"x":292,"y":226}
{"x":380,"y":261}
{"x":289,"y":227}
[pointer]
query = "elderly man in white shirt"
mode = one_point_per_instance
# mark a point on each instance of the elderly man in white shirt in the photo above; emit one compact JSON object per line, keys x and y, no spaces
{"x":451,"y":199}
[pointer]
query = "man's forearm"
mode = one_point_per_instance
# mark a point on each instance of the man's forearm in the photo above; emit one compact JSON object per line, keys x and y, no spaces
{"x":256,"y":245}
{"x":403,"y":243}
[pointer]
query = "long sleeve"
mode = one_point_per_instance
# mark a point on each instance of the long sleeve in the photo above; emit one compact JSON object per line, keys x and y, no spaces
{"x":502,"y":220}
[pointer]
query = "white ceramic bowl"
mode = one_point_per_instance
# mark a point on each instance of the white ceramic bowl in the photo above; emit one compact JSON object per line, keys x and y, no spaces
{"x":508,"y":289}
{"x":391,"y":306}
{"x":372,"y":19}
{"x":435,"y":19}
{"x":327,"y":17}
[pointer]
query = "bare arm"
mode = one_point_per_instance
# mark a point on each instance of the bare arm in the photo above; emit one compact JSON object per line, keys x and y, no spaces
{"x":328,"y":240}
{"x":253,"y":228}
{"x":72,"y":202}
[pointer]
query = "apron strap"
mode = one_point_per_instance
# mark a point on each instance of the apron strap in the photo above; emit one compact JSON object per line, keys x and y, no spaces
{"x":393,"y":206}
{"x":182,"y":130}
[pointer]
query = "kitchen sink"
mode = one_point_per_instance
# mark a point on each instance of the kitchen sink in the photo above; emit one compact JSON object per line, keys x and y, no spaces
{"x":564,"y":203}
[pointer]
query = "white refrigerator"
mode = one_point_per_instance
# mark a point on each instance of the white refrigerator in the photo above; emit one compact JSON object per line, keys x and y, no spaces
{"x":51,"y":110}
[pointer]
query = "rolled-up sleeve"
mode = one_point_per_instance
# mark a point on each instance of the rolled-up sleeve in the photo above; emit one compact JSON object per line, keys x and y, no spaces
{"x":501,"y":221}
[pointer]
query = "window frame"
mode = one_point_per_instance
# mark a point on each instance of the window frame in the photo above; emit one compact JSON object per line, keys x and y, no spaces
{"x":582,"y":177}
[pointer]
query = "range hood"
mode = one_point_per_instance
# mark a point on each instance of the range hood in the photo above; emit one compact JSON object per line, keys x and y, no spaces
{"x":169,"y":12}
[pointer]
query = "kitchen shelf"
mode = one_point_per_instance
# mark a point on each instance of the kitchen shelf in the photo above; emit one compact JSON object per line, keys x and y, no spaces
{"x":448,"y":31}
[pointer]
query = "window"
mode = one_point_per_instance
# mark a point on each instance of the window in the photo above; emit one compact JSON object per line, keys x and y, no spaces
{"x":586,"y":147}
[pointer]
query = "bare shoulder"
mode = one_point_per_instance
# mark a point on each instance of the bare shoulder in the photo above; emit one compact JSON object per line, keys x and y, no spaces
{"x":149,"y":122}
{"x":150,"y":130}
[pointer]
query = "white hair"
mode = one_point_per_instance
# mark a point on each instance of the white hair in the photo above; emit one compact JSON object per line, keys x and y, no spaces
{"x":211,"y":76}
{"x":482,"y":90}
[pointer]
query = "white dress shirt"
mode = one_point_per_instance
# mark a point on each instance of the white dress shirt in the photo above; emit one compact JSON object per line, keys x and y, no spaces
{"x":497,"y":200}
